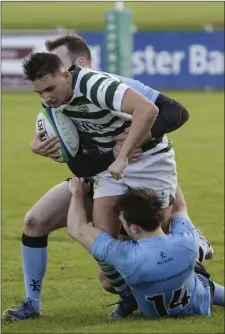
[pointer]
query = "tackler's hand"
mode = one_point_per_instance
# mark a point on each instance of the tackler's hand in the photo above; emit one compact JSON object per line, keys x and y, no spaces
{"x":77,"y":187}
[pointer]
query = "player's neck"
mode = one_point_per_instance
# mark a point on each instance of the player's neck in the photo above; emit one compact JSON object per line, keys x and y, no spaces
{"x":157,"y":233}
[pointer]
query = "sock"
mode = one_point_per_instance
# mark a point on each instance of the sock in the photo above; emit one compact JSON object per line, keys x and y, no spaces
{"x":218,"y":297}
{"x":118,"y":283}
{"x":34,"y":255}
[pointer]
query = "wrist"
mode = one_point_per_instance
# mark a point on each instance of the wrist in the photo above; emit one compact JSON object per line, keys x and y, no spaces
{"x":79,"y":197}
{"x":121,"y":157}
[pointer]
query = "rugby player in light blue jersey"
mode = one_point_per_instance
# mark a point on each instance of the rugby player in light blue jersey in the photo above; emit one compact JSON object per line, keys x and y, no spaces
{"x":159,"y":268}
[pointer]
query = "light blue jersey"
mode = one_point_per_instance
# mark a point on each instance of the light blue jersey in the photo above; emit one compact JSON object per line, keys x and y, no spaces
{"x":150,"y":93}
{"x":160,"y":270}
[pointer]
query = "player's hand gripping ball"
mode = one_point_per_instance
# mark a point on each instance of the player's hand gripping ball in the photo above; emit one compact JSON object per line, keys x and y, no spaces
{"x":54,"y":123}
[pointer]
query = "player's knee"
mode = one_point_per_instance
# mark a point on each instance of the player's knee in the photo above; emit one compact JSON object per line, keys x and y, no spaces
{"x":33,"y":226}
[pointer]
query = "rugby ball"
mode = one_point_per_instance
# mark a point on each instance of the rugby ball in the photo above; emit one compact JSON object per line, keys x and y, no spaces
{"x":55,"y":123}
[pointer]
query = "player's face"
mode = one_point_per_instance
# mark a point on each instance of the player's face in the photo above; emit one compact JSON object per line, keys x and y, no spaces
{"x":54,"y":89}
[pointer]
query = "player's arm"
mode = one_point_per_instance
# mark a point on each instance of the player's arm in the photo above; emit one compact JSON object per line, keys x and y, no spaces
{"x":77,"y":219}
{"x":109,"y":93}
{"x":180,"y":206}
{"x":100,"y":244}
{"x":181,"y":222}
{"x":143,"y":114}
{"x":90,"y":164}
{"x":172,"y":115}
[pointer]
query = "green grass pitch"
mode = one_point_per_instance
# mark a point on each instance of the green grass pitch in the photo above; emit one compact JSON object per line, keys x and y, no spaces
{"x":90,"y":15}
{"x":73,"y":301}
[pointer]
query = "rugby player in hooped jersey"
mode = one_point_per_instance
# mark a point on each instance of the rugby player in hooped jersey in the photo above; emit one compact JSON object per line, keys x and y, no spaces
{"x":108,"y":107}
{"x":109,"y":104}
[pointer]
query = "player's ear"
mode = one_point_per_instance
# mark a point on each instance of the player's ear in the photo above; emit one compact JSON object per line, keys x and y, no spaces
{"x":81,"y":61}
{"x":134,"y":228}
{"x":66,"y":74}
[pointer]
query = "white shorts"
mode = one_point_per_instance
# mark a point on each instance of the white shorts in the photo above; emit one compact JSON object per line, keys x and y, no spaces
{"x":157,"y":172}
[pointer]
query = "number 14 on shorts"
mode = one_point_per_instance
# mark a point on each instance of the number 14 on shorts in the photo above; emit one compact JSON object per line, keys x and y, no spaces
{"x":179,"y":298}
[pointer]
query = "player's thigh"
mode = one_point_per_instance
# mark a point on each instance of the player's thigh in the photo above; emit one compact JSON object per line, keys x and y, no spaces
{"x":106,"y":192}
{"x":104,"y":216}
{"x":50,"y":212}
{"x":157,"y":172}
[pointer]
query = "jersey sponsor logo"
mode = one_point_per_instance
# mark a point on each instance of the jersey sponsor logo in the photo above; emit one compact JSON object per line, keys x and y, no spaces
{"x":164,"y":259}
{"x":164,"y":279}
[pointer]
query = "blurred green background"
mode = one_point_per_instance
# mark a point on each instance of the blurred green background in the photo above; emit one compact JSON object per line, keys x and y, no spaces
{"x":90,"y":15}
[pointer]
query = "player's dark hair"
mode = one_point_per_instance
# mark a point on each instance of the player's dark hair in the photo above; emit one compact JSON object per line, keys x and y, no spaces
{"x":76,"y":45}
{"x":37,"y":65}
{"x":141,"y":207}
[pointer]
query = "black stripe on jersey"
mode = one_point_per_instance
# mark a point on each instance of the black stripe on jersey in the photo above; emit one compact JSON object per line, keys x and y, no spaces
{"x":109,"y":144}
{"x":113,"y":120}
{"x":87,"y":115}
{"x":81,"y":115}
{"x":75,"y":73}
{"x":94,"y":91}
{"x":109,"y":95}
{"x":83,"y":82}
{"x":113,"y":133}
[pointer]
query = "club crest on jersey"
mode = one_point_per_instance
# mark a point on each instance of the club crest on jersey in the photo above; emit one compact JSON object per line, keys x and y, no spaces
{"x":83,"y":108}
